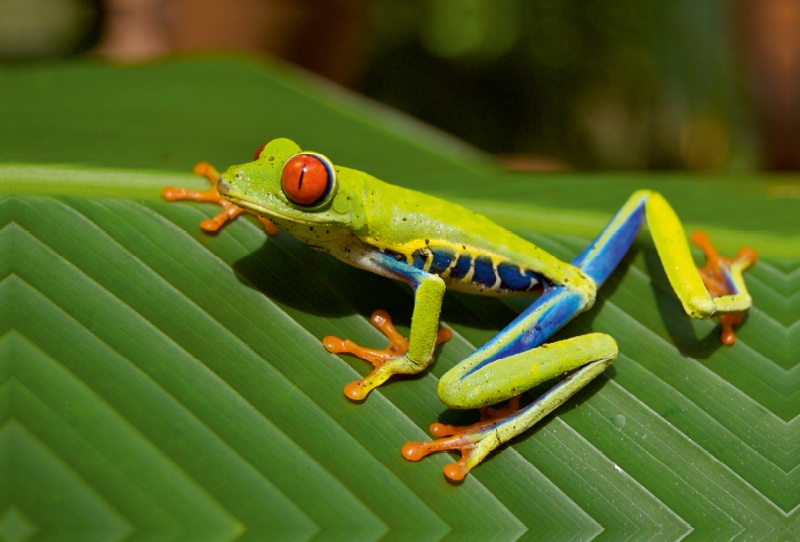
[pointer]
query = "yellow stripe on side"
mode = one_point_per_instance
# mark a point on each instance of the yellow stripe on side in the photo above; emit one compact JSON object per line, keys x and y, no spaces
{"x":428,"y":261}
{"x":406,"y":249}
{"x":459,"y":249}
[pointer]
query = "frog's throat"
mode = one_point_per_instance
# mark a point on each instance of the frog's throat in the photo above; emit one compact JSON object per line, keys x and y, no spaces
{"x":268,"y":213}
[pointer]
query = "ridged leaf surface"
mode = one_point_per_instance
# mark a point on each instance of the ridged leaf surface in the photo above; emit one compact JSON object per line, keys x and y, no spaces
{"x":160,"y":383}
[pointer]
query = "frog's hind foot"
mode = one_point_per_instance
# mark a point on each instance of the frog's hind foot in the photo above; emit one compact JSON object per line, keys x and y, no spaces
{"x":211,"y":195}
{"x":386,"y":361}
{"x":474,"y":446}
{"x":716,"y":275}
{"x":488,"y":415}
{"x":473,"y":441}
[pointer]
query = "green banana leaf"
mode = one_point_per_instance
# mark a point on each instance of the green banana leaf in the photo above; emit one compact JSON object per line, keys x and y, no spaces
{"x":161,"y":383}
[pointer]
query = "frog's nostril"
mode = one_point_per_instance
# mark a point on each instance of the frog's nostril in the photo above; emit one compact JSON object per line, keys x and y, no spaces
{"x":223,"y":187}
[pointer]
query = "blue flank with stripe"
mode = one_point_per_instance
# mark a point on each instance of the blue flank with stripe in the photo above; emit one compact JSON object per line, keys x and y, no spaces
{"x":419,"y":259}
{"x":461,"y":268}
{"x":484,"y":272}
{"x":512,"y":280}
{"x":442,"y":258}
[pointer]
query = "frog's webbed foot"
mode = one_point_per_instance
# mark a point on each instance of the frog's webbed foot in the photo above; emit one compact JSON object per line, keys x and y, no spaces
{"x":211,"y":195}
{"x":489,"y":415}
{"x":398,"y":345}
{"x":716,"y":277}
{"x":386,"y":362}
{"x":473,"y":441}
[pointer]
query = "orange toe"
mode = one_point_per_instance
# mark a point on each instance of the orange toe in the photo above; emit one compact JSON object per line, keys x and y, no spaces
{"x":211,"y":195}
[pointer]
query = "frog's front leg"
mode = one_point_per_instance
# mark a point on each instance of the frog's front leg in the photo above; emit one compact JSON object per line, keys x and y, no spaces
{"x":211,"y":195}
{"x":401,"y":357}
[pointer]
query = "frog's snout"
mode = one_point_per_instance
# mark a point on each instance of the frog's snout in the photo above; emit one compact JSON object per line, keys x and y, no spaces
{"x":223,"y":187}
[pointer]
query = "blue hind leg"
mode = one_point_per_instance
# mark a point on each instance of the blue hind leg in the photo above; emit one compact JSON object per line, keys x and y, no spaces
{"x":516,"y":359}
{"x":603,"y":255}
{"x":559,"y":303}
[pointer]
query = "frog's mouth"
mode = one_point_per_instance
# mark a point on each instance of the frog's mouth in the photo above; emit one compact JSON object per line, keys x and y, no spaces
{"x":224,"y":189}
{"x":222,"y":186}
{"x":267,"y":213}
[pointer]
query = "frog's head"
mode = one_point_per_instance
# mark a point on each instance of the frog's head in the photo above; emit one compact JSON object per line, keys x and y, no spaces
{"x":291,"y":186}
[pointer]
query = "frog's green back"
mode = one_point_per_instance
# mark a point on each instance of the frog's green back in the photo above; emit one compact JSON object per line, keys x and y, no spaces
{"x":399,"y":215}
{"x":405,"y":220}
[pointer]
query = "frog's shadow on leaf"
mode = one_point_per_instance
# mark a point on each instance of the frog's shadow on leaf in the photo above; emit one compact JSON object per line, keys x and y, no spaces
{"x":290,"y":274}
{"x":678,"y":324}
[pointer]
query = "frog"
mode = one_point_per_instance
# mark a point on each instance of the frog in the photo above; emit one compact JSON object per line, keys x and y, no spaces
{"x":434,"y":245}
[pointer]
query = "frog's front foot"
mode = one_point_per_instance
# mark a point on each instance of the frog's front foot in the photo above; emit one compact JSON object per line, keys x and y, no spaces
{"x":716,"y":276}
{"x":386,"y":362}
{"x":473,"y":441}
{"x":211,"y":195}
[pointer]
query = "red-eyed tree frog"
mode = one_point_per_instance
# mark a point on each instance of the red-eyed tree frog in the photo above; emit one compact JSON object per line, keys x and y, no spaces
{"x":431,"y":245}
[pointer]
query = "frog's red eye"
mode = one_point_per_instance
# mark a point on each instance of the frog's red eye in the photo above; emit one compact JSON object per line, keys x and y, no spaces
{"x":307,"y":179}
{"x":258,"y":152}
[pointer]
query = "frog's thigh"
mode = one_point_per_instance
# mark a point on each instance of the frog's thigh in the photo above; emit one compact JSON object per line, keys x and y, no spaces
{"x":504,"y":378}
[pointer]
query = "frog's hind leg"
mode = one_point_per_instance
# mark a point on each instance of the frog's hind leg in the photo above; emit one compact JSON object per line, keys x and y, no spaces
{"x":587,"y":356}
{"x":715,"y":290}
{"x":718,"y":289}
{"x":514,"y":361}
{"x":517,"y":359}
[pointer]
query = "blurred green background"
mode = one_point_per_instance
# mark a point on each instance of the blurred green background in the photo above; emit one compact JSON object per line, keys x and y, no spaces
{"x":544,"y":84}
